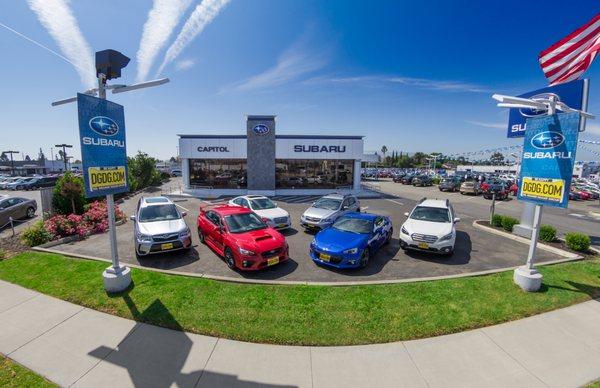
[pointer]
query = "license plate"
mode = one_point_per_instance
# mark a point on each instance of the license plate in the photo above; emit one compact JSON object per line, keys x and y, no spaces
{"x":166,"y":246}
{"x":423,"y":245}
{"x":273,"y":261}
{"x":324,"y":257}
{"x":282,"y":225}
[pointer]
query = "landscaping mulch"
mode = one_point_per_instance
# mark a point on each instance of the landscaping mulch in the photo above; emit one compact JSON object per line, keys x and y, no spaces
{"x":560,"y":244}
{"x":11,"y":246}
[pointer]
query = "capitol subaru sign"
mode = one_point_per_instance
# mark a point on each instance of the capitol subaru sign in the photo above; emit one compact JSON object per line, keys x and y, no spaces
{"x":103,"y":148}
{"x":548,"y":158}
{"x":574,"y":94}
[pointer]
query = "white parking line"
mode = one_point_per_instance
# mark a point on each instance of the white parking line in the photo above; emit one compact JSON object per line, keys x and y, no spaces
{"x":181,"y":207}
{"x":396,"y":202}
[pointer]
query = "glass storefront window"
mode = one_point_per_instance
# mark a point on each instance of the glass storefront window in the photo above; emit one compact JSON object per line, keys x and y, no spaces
{"x":218,"y":173}
{"x":313,"y":174}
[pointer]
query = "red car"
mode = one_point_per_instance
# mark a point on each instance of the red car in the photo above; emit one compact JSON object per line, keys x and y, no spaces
{"x":582,"y":195}
{"x":239,"y":236}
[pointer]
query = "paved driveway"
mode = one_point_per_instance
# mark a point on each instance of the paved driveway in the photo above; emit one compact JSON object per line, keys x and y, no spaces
{"x":475,"y":250}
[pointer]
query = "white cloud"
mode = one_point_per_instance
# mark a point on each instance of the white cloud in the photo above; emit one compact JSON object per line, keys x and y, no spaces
{"x":184,"y":64}
{"x":57,"y":18}
{"x":202,"y":16}
{"x":162,"y":19}
{"x":294,"y":62}
{"x":422,"y":83}
{"x":488,"y":124}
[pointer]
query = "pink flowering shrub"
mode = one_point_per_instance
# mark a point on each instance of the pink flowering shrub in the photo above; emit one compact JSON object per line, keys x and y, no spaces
{"x":94,"y":220}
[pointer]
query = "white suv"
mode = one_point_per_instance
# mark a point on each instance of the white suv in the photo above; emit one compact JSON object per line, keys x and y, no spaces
{"x":430,"y":227}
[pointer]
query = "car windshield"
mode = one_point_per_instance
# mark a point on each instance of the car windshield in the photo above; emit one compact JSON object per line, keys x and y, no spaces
{"x":262,"y":204}
{"x":328,"y":203}
{"x":159,"y":213}
{"x":432,"y":214}
{"x":354,"y":225}
{"x":246,"y":222}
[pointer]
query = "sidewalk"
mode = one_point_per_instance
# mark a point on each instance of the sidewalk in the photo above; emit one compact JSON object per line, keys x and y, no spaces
{"x":72,"y":345}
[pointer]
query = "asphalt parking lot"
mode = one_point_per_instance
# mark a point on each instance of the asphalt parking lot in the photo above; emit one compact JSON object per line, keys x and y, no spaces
{"x":475,"y":250}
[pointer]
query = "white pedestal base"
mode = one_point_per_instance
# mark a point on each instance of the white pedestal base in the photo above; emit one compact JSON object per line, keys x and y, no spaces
{"x":529,"y":280}
{"x":116,"y":280}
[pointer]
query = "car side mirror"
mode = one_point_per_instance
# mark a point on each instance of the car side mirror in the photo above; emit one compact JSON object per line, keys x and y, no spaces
{"x":456,"y":220}
{"x":183,"y":214}
{"x":132,"y":218}
{"x":406,"y":214}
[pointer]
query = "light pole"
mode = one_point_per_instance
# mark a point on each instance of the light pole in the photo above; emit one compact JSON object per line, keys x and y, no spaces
{"x":12,"y":162}
{"x":64,"y":154}
{"x":108,"y":66}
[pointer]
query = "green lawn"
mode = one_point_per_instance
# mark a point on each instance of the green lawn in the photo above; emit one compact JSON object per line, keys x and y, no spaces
{"x":14,"y":375}
{"x":307,"y":315}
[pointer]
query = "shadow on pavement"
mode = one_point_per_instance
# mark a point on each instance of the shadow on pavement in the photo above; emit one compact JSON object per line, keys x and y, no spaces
{"x":271,"y":273}
{"x":170,"y":260}
{"x":155,"y":357}
{"x":461,"y":255}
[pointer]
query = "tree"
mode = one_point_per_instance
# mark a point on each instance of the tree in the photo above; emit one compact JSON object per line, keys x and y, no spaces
{"x":68,"y":195}
{"x":383,"y":151}
{"x":142,"y":171}
{"x":27,"y":158}
{"x":497,"y":158}
{"x":41,"y":157}
{"x":3,"y":157}
{"x":173,"y":160}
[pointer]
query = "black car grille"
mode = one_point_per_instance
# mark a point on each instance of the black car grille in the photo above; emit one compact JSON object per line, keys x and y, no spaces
{"x":281,"y":220}
{"x":332,"y":258}
{"x":424,"y":237}
{"x":165,"y":237}
{"x":272,"y":252}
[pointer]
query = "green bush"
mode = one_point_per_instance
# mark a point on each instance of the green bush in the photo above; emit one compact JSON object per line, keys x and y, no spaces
{"x":508,"y":223}
{"x":578,"y":241}
{"x":547,"y":233}
{"x":142,"y":172}
{"x":436,"y":180}
{"x":36,"y":234}
{"x":68,"y":196}
{"x":497,"y":220}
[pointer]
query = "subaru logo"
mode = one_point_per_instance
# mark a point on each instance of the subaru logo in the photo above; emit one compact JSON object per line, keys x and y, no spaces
{"x":533,"y":112}
{"x":260,"y":129}
{"x":547,"y":139}
{"x":104,"y":126}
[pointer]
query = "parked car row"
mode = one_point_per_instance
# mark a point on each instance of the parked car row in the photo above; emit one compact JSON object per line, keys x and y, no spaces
{"x":27,"y":183}
{"x":245,"y":232}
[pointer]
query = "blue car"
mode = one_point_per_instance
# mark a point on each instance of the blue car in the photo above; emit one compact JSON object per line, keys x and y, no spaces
{"x":351,"y":240}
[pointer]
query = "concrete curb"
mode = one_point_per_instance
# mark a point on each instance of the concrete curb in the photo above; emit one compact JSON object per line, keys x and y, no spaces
{"x":303,"y":282}
{"x":557,"y":251}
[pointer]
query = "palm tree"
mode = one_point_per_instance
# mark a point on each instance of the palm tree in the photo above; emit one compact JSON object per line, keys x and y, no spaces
{"x":383,"y":151}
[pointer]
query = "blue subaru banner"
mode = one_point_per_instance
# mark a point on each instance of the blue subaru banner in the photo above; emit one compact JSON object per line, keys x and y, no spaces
{"x":548,"y":158}
{"x":572,"y":93}
{"x":103,"y":151}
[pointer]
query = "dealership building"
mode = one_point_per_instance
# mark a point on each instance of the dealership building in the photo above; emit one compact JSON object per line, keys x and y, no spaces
{"x":262,"y":162}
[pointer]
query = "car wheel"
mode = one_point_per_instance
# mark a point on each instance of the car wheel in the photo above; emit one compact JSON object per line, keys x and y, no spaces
{"x":30,"y":212}
{"x":389,"y":236}
{"x":201,"y":236}
{"x":364,"y":258}
{"x":229,"y":259}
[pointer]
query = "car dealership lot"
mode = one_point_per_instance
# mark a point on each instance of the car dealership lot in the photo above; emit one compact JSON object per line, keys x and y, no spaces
{"x":475,"y":250}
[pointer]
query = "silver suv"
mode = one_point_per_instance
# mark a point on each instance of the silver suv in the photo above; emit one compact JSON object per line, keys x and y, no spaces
{"x":323,"y":213}
{"x":159,"y":227}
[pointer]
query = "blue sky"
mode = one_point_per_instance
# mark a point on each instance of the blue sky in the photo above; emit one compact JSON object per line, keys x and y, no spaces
{"x":415,"y":76}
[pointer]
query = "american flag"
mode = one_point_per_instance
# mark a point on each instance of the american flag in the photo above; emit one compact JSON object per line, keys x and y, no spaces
{"x":567,"y":59}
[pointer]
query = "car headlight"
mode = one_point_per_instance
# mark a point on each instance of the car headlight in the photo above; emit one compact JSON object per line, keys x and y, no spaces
{"x":446,"y":237}
{"x":246,"y":252}
{"x":351,"y":251}
{"x":144,"y":238}
{"x":327,"y":220}
{"x":185,"y":233}
{"x":403,"y":230}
